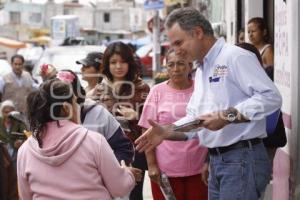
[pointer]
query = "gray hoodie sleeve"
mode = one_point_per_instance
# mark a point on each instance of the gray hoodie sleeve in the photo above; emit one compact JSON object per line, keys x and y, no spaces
{"x":98,"y":119}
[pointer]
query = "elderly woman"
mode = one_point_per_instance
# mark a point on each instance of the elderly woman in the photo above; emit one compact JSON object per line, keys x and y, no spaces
{"x":182,"y":162}
{"x":11,"y":131}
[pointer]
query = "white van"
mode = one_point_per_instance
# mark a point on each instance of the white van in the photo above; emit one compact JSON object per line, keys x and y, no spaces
{"x":65,"y":57}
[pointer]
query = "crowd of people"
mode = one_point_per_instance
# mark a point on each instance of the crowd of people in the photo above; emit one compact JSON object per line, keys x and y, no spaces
{"x":97,"y":142}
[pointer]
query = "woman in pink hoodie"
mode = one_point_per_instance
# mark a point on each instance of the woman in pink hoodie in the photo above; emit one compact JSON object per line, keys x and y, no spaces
{"x":63,"y":161}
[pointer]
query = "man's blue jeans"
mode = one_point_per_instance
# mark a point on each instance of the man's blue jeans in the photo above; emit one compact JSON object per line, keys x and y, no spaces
{"x":241,"y":173}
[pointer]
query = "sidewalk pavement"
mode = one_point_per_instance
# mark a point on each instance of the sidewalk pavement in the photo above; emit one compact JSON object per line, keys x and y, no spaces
{"x":147,"y":188}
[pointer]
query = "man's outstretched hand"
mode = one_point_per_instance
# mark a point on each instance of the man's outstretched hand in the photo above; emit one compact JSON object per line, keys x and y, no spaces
{"x":152,"y":137}
{"x":157,"y":133}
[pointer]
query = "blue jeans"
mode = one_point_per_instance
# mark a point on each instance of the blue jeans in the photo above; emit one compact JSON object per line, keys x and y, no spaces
{"x":239,"y":174}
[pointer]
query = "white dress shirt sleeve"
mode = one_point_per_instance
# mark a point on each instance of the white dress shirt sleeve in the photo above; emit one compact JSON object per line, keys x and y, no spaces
{"x":264,"y":97}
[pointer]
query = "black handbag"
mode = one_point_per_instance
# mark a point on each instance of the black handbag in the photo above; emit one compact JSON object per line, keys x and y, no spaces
{"x":278,"y":138}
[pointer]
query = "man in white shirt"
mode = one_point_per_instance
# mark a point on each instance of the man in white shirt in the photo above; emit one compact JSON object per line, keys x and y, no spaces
{"x":232,"y":97}
{"x":17,"y":84}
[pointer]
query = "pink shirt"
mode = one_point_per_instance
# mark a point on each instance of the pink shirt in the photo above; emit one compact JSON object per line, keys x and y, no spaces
{"x":74,"y":163}
{"x":166,"y":105}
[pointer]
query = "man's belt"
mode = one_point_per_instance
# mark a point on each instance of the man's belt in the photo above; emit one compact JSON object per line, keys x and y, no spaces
{"x":237,"y":145}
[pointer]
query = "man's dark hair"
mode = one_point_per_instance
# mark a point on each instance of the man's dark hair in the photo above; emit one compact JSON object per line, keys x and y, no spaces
{"x":17,"y":56}
{"x":188,"y":18}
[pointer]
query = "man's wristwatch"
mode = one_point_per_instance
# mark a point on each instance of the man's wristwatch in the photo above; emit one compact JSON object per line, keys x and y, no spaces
{"x":231,"y":115}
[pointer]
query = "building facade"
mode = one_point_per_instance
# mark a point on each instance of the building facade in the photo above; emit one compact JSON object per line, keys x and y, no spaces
{"x":101,"y":21}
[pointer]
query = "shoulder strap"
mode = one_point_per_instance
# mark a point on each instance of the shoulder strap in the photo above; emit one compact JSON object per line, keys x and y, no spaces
{"x":262,"y":51}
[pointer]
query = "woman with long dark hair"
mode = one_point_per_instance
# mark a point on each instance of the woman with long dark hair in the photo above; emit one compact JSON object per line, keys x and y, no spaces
{"x":123,"y":93}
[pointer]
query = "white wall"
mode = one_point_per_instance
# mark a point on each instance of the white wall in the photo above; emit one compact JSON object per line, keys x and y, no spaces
{"x":286,"y":169}
{"x":85,"y":14}
{"x":295,"y":62}
{"x":230,"y":14}
{"x":3,"y":17}
{"x":119,"y":19}
{"x":136,"y":19}
{"x":52,"y":10}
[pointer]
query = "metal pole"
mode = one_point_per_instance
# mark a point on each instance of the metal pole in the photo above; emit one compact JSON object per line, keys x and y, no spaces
{"x":156,"y":44}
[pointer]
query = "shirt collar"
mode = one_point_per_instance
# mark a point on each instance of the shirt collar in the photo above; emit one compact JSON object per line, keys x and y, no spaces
{"x":213,"y":52}
{"x":17,"y":77}
{"x":198,"y":63}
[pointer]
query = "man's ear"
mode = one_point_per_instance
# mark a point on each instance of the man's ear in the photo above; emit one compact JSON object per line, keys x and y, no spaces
{"x":198,"y":32}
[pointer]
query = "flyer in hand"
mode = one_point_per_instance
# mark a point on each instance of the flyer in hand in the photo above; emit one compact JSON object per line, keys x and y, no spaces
{"x":189,"y":126}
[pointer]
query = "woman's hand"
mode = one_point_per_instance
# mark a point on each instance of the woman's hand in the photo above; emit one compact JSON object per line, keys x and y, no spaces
{"x":137,"y":173}
{"x":204,"y":173}
{"x":154,"y":174}
{"x":127,"y":113}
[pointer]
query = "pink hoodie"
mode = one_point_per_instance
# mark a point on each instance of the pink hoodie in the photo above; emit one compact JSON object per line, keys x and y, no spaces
{"x":74,"y":163}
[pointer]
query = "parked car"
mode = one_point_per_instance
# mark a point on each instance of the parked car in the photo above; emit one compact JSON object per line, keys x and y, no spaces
{"x":65,"y":57}
{"x":145,"y":53}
